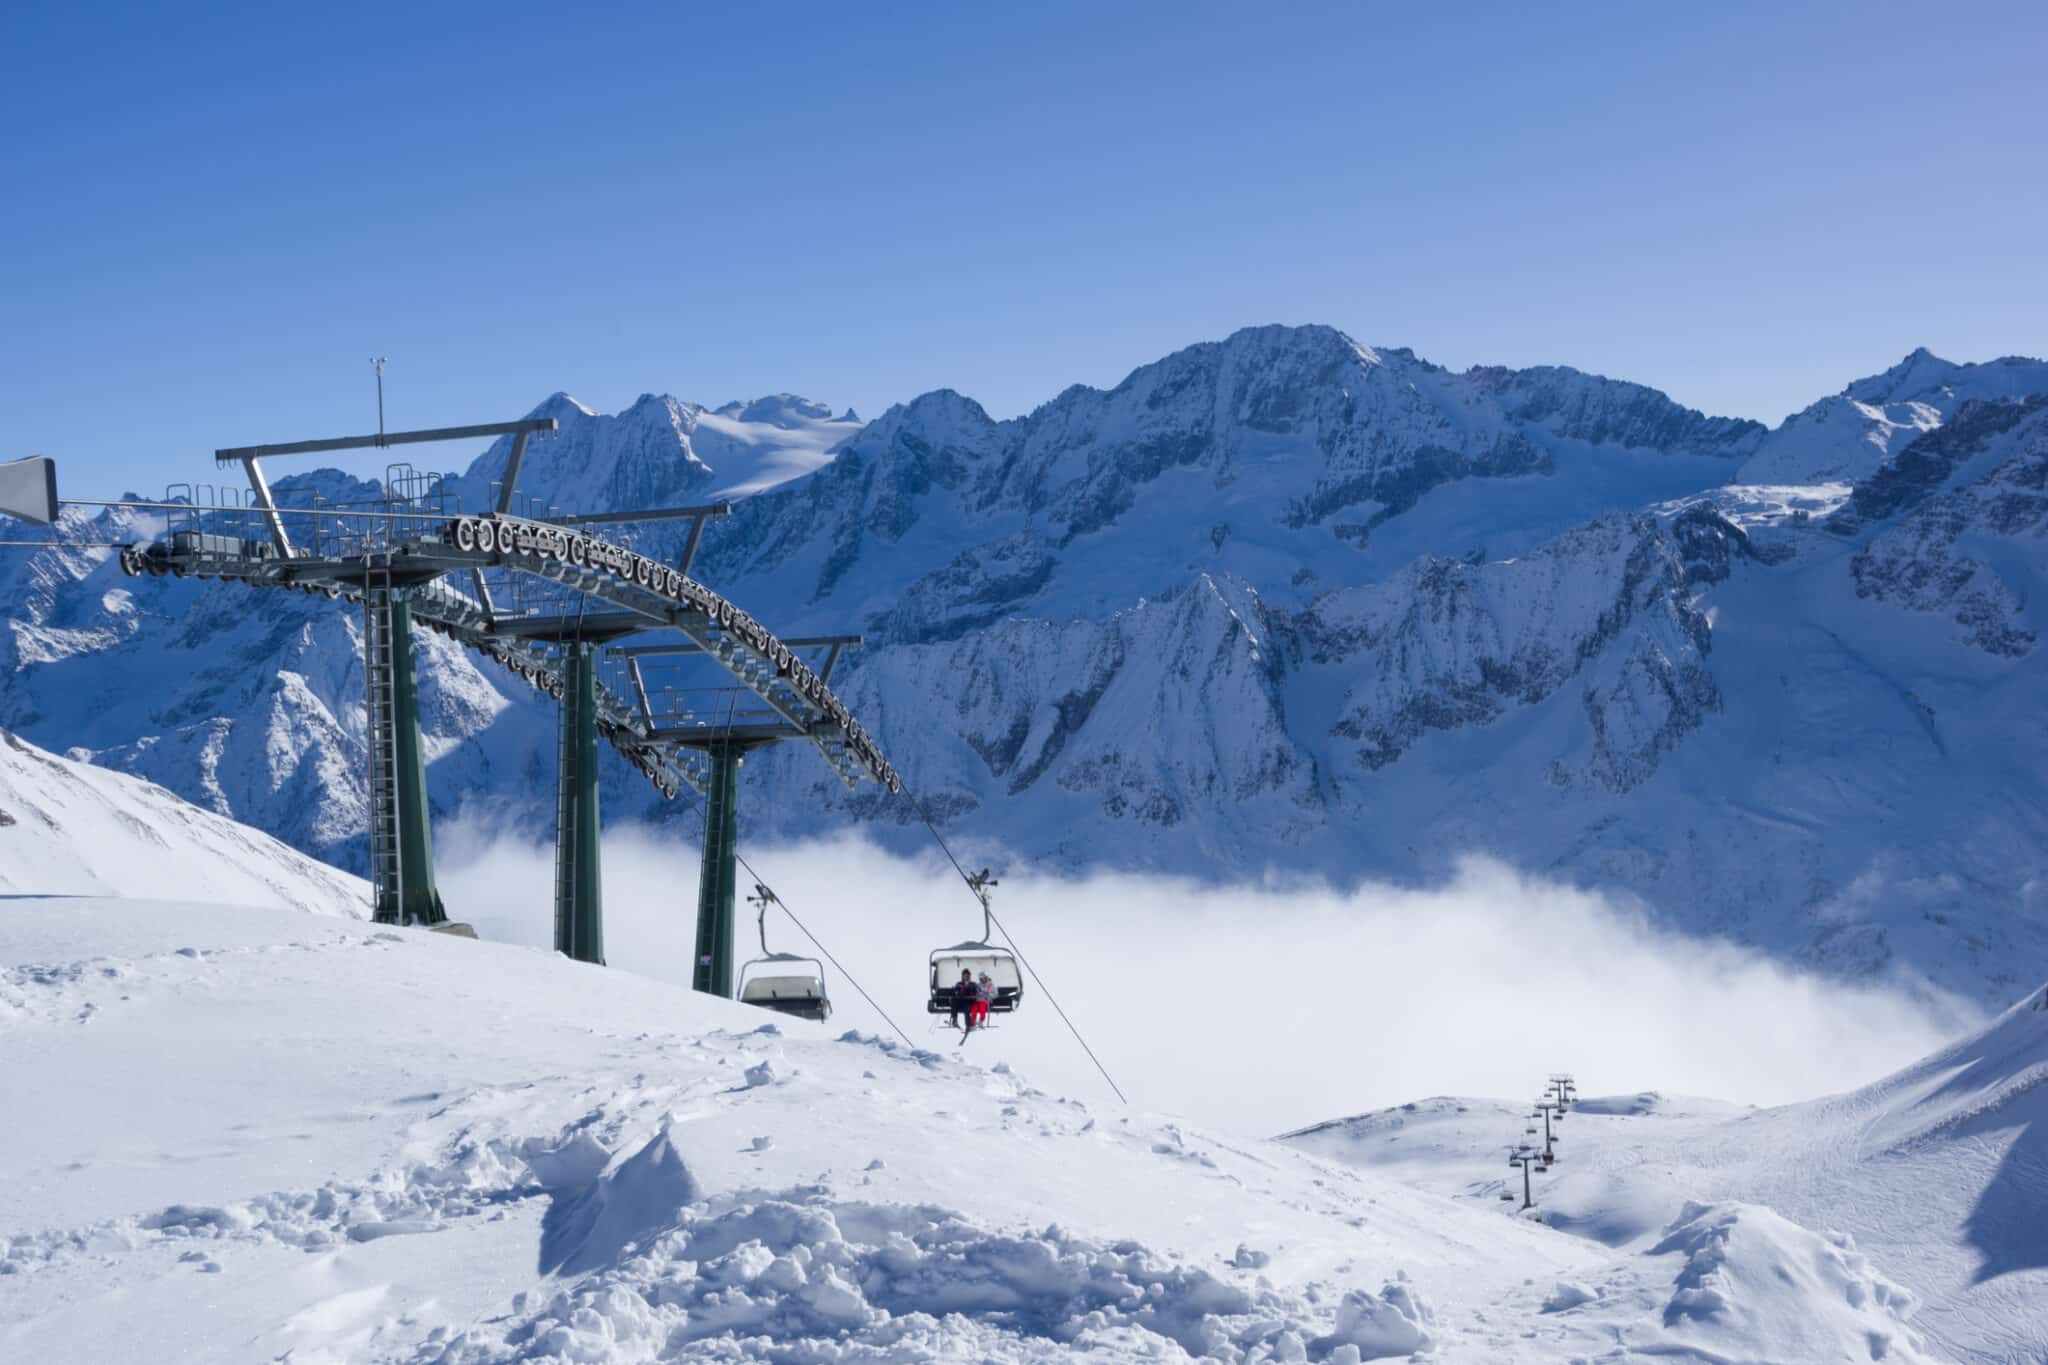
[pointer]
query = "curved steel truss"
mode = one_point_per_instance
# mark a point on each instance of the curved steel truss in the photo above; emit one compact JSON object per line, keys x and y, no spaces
{"x":631,"y":591}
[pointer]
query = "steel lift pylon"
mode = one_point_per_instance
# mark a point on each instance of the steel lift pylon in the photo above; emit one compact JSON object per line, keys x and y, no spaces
{"x":401,"y":841}
{"x":579,"y":900}
{"x":717,"y":878}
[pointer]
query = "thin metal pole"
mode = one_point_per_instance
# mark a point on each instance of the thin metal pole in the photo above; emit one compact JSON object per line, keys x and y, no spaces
{"x":377,"y":362}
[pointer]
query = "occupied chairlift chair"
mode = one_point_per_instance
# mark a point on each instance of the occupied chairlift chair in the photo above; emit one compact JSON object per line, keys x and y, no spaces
{"x":783,"y":982}
{"x":975,"y":957}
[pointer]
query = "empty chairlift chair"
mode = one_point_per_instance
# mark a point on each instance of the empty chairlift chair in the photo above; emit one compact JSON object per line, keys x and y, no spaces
{"x":784,"y":982}
{"x":787,"y":984}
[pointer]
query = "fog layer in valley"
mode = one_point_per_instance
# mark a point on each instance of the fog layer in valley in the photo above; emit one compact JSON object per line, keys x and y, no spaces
{"x":1258,"y":1009}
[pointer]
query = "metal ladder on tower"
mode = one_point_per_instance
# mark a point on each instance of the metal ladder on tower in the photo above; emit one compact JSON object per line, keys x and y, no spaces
{"x":387,"y":850}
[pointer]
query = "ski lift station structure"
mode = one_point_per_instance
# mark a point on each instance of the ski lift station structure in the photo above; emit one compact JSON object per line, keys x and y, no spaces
{"x":544,"y":596}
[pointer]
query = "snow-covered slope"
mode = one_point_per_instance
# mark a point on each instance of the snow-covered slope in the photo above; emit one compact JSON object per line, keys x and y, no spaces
{"x":1282,"y":600}
{"x":70,"y":828}
{"x":261,"y":1135}
{"x":662,"y":452}
{"x":1939,"y":1173}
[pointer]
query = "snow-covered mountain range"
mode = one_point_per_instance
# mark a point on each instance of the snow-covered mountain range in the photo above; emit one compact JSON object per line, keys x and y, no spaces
{"x":1281,"y":603}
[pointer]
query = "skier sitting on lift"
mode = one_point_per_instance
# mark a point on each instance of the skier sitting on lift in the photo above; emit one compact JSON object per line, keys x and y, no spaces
{"x":963,"y":999}
{"x":984,"y":996}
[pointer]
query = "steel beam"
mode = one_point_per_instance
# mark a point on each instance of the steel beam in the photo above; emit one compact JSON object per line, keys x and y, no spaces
{"x":508,"y":483}
{"x":483,"y":594}
{"x":718,"y":881}
{"x":390,"y":438}
{"x":640,"y":691}
{"x":579,"y":905}
{"x":692,"y":647}
{"x":261,"y":487}
{"x":709,"y":509}
{"x":593,"y":626}
{"x":712,"y":733}
{"x":690,"y":544}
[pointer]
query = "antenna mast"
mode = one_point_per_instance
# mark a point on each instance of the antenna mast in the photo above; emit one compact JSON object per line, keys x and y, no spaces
{"x":377,"y":363}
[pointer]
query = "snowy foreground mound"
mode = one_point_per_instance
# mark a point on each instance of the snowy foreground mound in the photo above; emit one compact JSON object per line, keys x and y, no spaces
{"x":255,"y":1135}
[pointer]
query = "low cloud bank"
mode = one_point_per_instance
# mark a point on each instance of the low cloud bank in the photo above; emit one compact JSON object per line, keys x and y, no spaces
{"x":1260,"y":1009}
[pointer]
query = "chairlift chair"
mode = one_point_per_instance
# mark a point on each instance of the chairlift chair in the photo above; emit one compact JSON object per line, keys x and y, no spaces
{"x":974,"y":957}
{"x":787,"y":983}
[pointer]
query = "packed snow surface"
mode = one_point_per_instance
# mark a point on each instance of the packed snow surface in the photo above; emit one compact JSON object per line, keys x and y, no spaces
{"x":261,"y":1135}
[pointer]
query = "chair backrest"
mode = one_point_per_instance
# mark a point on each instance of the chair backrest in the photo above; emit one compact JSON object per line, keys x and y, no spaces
{"x":761,"y":989}
{"x":1000,"y":966}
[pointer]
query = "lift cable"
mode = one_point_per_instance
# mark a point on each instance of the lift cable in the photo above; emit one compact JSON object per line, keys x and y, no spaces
{"x":981,"y":897}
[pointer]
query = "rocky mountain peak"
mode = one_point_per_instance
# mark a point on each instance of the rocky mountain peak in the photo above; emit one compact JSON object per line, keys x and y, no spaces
{"x":1919,"y":372}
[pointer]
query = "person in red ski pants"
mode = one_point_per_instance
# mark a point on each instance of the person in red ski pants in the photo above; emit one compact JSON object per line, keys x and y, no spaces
{"x":985,"y":991}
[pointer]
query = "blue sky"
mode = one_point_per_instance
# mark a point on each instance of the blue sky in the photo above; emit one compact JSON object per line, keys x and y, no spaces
{"x":216,"y":215}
